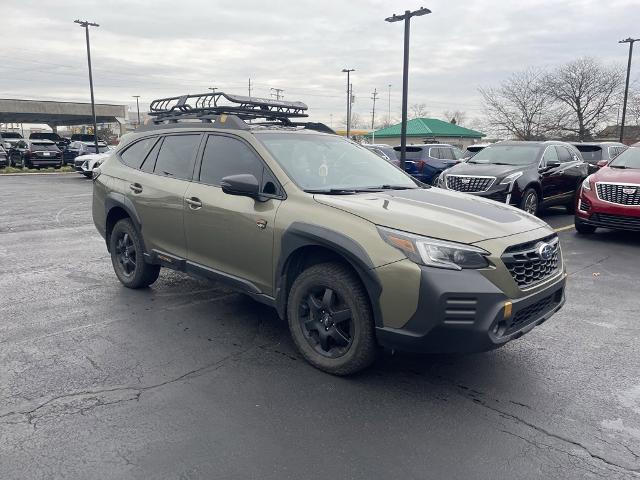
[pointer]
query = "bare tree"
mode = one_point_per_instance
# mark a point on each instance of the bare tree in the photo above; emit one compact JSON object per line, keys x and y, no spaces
{"x":633,"y":109}
{"x":418,"y":110}
{"x":456,"y":116}
{"x":585,"y":93}
{"x":356,"y":121}
{"x":518,"y":107}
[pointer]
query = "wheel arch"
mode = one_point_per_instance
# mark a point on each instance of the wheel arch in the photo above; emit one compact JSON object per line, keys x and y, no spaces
{"x":304,"y":245}
{"x":117,"y":207}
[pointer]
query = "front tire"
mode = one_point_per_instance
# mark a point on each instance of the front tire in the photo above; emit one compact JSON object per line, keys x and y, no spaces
{"x":330,"y":319}
{"x":127,"y":257}
{"x":434,"y":180}
{"x":530,"y":202}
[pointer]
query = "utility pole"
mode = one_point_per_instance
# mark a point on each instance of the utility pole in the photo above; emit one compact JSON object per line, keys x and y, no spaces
{"x":86,"y":24}
{"x":213,"y":89}
{"x":373,"y":115}
{"x":278,"y":93}
{"x":389,"y":110}
{"x":249,"y":87}
{"x":630,"y":41}
{"x":349,"y":99}
{"x":406,"y":17}
{"x":137,"y":97}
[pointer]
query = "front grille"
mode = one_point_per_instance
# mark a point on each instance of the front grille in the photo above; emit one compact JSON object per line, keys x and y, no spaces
{"x":615,"y":193}
{"x":533,"y":312}
{"x":584,"y":205}
{"x":527,"y":264}
{"x":616,"y":221}
{"x":465,"y":183}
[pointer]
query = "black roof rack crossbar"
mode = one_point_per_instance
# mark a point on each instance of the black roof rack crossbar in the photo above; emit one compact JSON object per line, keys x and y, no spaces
{"x":218,"y":103}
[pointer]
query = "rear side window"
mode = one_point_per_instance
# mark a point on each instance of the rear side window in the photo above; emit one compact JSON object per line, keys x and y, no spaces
{"x":446,"y":153}
{"x":134,"y":155}
{"x":224,"y":156}
{"x":177,"y":156}
{"x":590,"y":153}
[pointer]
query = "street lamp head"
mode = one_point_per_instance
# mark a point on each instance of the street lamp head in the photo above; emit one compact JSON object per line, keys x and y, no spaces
{"x":421,"y":11}
{"x":629,"y":40}
{"x":85,"y":23}
{"x":347,"y":70}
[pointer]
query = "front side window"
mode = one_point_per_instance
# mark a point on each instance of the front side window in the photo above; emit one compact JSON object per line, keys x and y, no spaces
{"x":224,"y":156}
{"x":326,"y":162}
{"x":176,"y":156}
{"x":550,"y":155}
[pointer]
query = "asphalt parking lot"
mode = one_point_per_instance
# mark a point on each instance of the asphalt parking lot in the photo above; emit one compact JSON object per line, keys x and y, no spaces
{"x":187,"y":380}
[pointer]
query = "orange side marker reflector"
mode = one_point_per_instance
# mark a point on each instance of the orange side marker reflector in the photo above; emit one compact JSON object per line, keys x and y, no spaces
{"x":402,"y":243}
{"x":508,"y":307}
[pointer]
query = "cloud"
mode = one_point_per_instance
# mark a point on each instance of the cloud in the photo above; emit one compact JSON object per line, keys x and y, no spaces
{"x":160,"y":48}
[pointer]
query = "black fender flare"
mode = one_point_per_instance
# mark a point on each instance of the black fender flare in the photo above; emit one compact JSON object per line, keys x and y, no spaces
{"x":118,"y":200}
{"x":299,"y":235}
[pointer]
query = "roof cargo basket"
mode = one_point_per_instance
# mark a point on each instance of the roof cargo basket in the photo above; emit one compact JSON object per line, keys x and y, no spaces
{"x":206,"y":105}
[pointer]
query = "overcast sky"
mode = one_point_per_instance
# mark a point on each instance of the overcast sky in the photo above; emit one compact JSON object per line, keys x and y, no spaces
{"x":161,"y":48}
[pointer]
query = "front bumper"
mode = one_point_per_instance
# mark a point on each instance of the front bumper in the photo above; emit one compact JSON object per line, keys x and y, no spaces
{"x":590,"y":210}
{"x":463,"y":312}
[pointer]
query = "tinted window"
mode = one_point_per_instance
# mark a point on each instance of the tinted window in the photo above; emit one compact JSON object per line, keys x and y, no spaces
{"x":40,"y":147}
{"x":150,"y":161}
{"x":224,"y":156}
{"x":519,"y":154}
{"x":563,"y":154}
{"x":136,"y":153}
{"x":550,"y":155}
{"x":446,"y":153}
{"x":177,"y":155}
{"x":412,"y":153}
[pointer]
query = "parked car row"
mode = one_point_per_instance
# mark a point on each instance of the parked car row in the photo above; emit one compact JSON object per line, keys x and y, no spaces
{"x":46,"y":149}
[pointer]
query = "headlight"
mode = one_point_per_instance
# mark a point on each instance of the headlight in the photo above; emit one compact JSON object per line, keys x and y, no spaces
{"x":433,"y":252}
{"x":511,"y":178}
{"x":586,"y":183}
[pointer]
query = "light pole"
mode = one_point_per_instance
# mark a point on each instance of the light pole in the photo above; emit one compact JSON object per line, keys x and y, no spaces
{"x":630,"y":41}
{"x":348,"y":72}
{"x":85,"y":24}
{"x":138,"y":107}
{"x":389,"y":110}
{"x":405,"y":74}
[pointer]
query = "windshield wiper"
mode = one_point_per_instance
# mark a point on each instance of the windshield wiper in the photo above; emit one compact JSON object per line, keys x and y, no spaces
{"x":393,"y":187}
{"x":332,"y":191}
{"x":618,"y":166}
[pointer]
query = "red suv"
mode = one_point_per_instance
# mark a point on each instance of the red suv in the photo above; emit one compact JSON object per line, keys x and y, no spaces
{"x":610,"y":197}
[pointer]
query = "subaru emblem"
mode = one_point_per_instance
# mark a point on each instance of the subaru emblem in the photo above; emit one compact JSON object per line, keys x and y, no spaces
{"x":545,"y":251}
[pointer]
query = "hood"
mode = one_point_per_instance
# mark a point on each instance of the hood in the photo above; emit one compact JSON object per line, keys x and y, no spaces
{"x":437,"y":213}
{"x":486,"y":169}
{"x":617,"y":175}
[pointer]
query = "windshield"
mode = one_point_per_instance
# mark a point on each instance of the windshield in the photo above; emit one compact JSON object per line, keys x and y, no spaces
{"x":507,"y":155}
{"x":630,"y":158}
{"x":590,"y":153}
{"x":326,"y":162}
{"x":7,"y":135}
{"x":44,"y":147}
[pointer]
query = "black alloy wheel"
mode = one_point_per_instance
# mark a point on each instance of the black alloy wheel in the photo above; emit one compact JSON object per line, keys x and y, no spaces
{"x":530,"y":202}
{"x":126,"y":254}
{"x":326,"y":322}
{"x":330,"y":319}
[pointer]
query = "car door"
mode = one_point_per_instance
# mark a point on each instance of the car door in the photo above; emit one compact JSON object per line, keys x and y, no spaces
{"x":550,"y":169}
{"x":570,"y":171}
{"x":227,"y":235}
{"x":157,"y":191}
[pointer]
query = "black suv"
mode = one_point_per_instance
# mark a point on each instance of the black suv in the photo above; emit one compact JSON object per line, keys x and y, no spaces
{"x":594,"y":152}
{"x":529,"y":175}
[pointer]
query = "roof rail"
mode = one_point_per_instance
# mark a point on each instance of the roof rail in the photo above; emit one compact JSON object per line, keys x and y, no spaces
{"x":203,"y":106}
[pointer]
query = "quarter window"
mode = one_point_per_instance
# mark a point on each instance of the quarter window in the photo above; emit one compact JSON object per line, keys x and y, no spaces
{"x":136,"y":153}
{"x":176,"y":156}
{"x":563,"y":154}
{"x":224,"y":156}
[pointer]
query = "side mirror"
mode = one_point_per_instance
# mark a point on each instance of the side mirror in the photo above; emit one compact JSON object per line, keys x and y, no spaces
{"x":602,"y":163}
{"x":245,"y":185}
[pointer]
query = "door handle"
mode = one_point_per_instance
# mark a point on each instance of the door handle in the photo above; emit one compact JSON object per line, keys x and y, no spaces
{"x":136,"y":188}
{"x":194,"y":203}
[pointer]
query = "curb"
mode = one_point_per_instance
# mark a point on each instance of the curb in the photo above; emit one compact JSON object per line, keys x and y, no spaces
{"x":34,"y":173}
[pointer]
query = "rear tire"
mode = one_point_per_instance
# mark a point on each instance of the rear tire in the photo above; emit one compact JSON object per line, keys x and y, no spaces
{"x":530,"y":202}
{"x":127,"y":256}
{"x":330,"y":319}
{"x":583,"y":228}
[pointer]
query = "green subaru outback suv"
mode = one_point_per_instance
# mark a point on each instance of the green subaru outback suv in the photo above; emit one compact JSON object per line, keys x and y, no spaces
{"x":350,"y":250}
